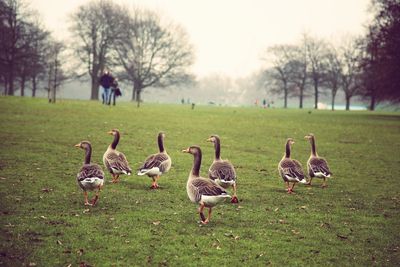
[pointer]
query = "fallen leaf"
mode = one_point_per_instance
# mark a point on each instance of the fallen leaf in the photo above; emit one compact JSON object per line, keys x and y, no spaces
{"x":156,"y":222}
{"x":276,"y":209}
{"x":59,"y":242}
{"x":43,"y":217}
{"x":86,"y":211}
{"x":295,"y":232}
{"x":341,"y":236}
{"x":79,"y":251}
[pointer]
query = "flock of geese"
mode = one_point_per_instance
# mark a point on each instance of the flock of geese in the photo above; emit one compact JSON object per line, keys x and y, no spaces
{"x":207,"y":192}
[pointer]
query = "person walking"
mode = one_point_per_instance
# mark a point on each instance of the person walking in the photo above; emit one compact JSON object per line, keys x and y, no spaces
{"x":106,"y":81}
{"x":115,"y":91}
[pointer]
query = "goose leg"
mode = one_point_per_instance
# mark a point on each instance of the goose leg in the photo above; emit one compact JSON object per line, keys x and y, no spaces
{"x":85,"y":194}
{"x":116,"y":178}
{"x":324,"y":183}
{"x":309,"y":183}
{"x":291,"y":189}
{"x":288,"y":189}
{"x":113,"y":178}
{"x":96,"y":197}
{"x":209,"y":216}
{"x":154,"y":184}
{"x":203,"y":219}
{"x":234,"y":198}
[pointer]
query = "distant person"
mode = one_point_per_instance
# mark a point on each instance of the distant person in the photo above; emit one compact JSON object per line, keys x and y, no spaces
{"x":106,"y":81}
{"x":115,"y":91}
{"x":264,"y":103}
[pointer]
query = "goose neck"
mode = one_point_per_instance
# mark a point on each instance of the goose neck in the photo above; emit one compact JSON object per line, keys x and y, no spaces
{"x":217,"y":146}
{"x":115,"y":141}
{"x":161,"y":143}
{"x":196,"y":164}
{"x":287,"y":152}
{"x":313,"y":147}
{"x":88,"y":154}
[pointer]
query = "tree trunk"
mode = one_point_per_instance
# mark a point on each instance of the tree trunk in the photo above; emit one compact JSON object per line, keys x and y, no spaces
{"x":34,"y":85}
{"x":372,"y":103}
{"x":10,"y":89}
{"x":95,"y":89}
{"x":134,"y":93}
{"x":301,"y":98}
{"x":333,"y":100}
{"x":316,"y":96}
{"x":138,"y":98}
{"x":285,"y":98}
{"x":348,"y":102}
{"x":23,"y":86}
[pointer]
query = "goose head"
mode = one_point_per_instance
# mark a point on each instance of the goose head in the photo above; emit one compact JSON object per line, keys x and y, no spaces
{"x":83,"y":145}
{"x":213,"y":138}
{"x":113,"y":132}
{"x":290,"y":141}
{"x":161,"y":134}
{"x":194,"y":150}
{"x":309,"y":136}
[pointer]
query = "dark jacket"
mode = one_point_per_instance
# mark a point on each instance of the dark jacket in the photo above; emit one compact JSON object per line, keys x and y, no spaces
{"x":106,"y":80}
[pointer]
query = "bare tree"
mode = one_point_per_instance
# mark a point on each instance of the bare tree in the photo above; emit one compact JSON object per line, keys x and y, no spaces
{"x":298,"y":66}
{"x":350,"y":52}
{"x":13,"y":41}
{"x":333,"y":73}
{"x":281,"y":57}
{"x":316,"y":54}
{"x":55,"y":72}
{"x":32,"y":64}
{"x":94,"y":26}
{"x":151,"y":53}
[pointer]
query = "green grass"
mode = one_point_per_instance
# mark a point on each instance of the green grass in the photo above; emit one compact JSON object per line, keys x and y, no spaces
{"x":43,"y":222}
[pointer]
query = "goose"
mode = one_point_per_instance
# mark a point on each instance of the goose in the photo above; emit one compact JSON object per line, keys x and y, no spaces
{"x":317,"y":166}
{"x":90,"y":177}
{"x":115,"y":161}
{"x":222,"y":171}
{"x":290,"y":169}
{"x":200,"y":190}
{"x":157,"y":164}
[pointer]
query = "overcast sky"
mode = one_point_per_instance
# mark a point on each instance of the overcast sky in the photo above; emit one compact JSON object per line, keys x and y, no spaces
{"x":230,"y":36}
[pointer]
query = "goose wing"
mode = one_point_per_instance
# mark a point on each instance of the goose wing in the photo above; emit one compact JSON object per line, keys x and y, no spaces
{"x":291,"y":169}
{"x":222,"y":170}
{"x":207,"y":187}
{"x":159,"y":160}
{"x":319,"y":165}
{"x":90,"y":171}
{"x":117,"y":161}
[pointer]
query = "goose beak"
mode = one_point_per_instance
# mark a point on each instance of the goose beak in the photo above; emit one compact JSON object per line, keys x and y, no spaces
{"x":77,"y":145}
{"x":110,"y":132}
{"x":208,"y":140}
{"x":185,"y":150}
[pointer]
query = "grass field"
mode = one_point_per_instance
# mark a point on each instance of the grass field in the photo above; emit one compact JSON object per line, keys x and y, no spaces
{"x":353,"y":222}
